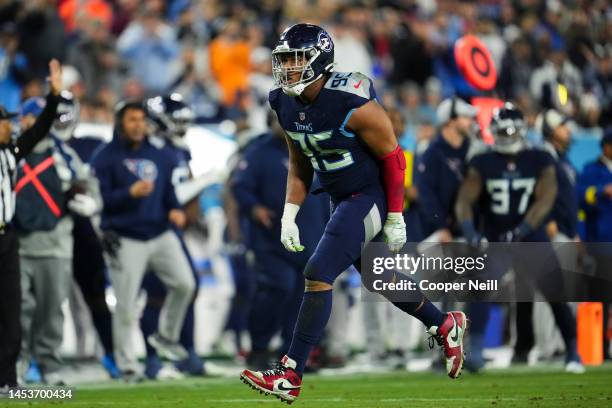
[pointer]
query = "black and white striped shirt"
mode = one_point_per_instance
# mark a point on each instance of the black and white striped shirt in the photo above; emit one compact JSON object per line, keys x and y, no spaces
{"x":8,"y":164}
{"x":11,"y":153}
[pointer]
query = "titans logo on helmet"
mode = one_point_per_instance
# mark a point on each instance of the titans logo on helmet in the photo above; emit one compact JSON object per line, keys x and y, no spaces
{"x":325,"y":42}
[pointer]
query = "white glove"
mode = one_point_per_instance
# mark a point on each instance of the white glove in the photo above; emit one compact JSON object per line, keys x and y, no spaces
{"x":394,"y":231}
{"x":83,"y":205}
{"x":290,"y":233}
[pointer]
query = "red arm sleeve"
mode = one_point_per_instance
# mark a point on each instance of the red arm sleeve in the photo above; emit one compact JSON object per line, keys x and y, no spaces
{"x":393,"y":167}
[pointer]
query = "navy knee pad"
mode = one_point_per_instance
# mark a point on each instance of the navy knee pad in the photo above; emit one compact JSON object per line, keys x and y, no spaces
{"x":314,"y":272}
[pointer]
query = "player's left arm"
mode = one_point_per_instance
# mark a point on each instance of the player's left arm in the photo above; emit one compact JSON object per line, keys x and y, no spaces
{"x":545,"y":193}
{"x":371,"y":123}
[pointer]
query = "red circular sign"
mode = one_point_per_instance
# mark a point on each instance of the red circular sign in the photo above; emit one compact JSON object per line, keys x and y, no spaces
{"x":475,"y":63}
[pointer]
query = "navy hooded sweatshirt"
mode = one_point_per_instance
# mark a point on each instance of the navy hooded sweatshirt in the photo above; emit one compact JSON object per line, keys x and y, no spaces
{"x":117,"y":166}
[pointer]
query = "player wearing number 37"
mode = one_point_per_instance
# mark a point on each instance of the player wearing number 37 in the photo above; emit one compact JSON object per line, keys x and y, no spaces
{"x":516,"y":185}
{"x":335,"y":127}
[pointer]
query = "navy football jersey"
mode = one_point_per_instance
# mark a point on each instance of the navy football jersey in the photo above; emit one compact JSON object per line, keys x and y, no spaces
{"x":508,"y":187}
{"x":179,"y":154}
{"x":182,"y":157}
{"x":343,"y":163}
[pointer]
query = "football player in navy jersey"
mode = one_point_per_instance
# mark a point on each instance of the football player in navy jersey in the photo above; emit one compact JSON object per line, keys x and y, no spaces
{"x":516,"y":182}
{"x":516,"y":186}
{"x":335,"y":126}
{"x":171,"y":117}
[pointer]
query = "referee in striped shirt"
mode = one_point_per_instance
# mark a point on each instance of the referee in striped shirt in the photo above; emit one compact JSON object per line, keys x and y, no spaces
{"x":10,"y":290}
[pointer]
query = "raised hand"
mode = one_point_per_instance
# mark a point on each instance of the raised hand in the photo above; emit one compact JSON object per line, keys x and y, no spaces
{"x":55,"y":76}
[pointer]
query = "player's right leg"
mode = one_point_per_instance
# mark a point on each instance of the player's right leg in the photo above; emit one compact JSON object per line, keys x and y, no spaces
{"x":339,"y":247}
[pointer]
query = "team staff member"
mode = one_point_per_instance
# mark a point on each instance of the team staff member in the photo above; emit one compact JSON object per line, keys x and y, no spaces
{"x":595,"y":195}
{"x":442,"y":167}
{"x":172,"y":118}
{"x":139,"y":207}
{"x":439,"y":175}
{"x":563,"y":226}
{"x":10,"y":288}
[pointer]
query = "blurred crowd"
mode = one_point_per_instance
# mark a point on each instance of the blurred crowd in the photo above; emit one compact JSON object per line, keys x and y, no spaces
{"x":548,"y":53}
{"x":551,"y":56}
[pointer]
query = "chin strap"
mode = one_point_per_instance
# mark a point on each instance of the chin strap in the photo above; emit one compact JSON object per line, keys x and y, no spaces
{"x":297,"y":89}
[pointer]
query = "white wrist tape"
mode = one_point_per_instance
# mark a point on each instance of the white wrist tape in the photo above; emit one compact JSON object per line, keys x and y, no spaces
{"x":395,"y":216}
{"x":290,"y":212}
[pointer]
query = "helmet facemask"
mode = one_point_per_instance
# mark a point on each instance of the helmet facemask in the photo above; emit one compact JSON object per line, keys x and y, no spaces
{"x":66,"y":120}
{"x":509,"y":135}
{"x":286,"y":61}
{"x":179,"y":121}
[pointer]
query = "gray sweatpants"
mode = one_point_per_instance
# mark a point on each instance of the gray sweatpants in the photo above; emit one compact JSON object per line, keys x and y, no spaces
{"x":45,"y":283}
{"x":165,"y":257}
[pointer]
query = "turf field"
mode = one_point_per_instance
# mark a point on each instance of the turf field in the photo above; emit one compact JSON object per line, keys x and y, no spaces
{"x":508,"y":388}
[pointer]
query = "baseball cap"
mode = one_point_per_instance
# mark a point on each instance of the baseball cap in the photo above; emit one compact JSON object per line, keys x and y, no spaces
{"x":33,"y":106}
{"x":550,"y":120}
{"x":453,"y":107}
{"x":4,"y":114}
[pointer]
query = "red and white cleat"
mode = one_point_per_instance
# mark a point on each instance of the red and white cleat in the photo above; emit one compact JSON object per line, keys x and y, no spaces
{"x":282,"y":381}
{"x":450,"y":337}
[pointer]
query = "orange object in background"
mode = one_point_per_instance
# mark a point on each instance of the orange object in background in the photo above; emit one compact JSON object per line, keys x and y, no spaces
{"x":71,"y":11}
{"x":230,"y":66}
{"x":609,"y":333}
{"x":590,"y":333}
{"x":475,"y":63}
{"x":485,"y":107}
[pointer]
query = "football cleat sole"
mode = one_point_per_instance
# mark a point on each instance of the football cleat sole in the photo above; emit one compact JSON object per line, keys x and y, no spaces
{"x":282,"y":397}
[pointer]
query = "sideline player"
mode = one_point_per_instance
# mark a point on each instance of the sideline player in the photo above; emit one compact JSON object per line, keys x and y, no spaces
{"x":517,"y":185}
{"x":171,"y":117}
{"x":336,"y":127}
